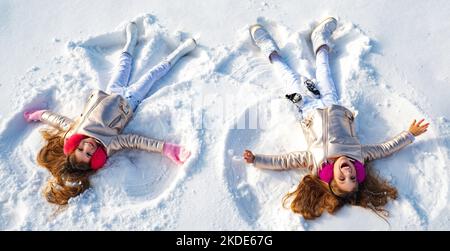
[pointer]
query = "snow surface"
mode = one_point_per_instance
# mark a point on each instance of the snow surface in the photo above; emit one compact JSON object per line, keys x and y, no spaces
{"x":390,"y":63}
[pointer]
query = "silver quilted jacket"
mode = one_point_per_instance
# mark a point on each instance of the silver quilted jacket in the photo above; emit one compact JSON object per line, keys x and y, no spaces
{"x":104,"y":117}
{"x":330,"y":133}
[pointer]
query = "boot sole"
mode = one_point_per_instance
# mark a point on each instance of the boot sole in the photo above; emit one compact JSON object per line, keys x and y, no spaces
{"x":253,"y":27}
{"x":322,"y":22}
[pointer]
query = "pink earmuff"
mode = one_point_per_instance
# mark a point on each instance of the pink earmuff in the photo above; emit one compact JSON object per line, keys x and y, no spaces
{"x":98,"y":159}
{"x":326,"y":173}
{"x":72,"y":143}
{"x":360,"y":171}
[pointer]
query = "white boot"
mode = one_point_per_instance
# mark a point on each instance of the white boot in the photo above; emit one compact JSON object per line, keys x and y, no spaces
{"x":263,"y":40}
{"x":132,"y":37}
{"x":183,"y":49}
{"x":322,"y":33}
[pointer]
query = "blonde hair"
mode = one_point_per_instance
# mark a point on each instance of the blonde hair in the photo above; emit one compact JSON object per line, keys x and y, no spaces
{"x":313,"y":196}
{"x":70,"y":178}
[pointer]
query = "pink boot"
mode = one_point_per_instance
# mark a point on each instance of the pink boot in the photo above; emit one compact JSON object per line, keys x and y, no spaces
{"x":33,"y":115}
{"x":176,"y":153}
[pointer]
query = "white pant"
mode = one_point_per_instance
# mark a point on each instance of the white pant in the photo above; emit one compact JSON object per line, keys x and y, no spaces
{"x":137,"y":91}
{"x":294,"y":83}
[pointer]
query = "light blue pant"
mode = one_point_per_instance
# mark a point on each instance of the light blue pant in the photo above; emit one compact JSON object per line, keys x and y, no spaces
{"x":293,"y":81}
{"x":137,"y":91}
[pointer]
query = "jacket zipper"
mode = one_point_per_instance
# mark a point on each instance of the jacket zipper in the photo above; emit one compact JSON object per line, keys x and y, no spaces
{"x":351,"y":119}
{"x":87,"y":113}
{"x":325,"y":135}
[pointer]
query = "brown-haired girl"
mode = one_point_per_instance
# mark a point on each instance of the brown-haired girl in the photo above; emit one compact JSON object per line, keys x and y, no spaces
{"x":336,"y":160}
{"x":75,"y":149}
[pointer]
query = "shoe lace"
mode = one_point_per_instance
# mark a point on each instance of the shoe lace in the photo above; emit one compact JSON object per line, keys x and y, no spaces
{"x":312,"y":87}
{"x":294,"y":97}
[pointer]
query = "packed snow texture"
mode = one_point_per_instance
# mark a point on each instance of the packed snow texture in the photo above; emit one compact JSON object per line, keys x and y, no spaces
{"x":218,"y":101}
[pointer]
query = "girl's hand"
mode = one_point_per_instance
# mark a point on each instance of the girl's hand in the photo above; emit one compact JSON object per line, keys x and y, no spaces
{"x":176,"y":153}
{"x":249,"y":157}
{"x":417,"y":129}
{"x":33,"y":115}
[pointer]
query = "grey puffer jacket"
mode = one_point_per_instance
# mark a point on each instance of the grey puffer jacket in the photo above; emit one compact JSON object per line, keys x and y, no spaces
{"x":104,"y":117}
{"x":330,"y":133}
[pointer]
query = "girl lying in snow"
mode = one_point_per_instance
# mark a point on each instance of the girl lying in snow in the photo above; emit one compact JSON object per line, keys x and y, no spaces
{"x":335,"y":158}
{"x":80,"y":147}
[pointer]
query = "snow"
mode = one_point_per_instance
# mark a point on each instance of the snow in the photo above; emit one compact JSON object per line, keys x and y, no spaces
{"x":389,"y":64}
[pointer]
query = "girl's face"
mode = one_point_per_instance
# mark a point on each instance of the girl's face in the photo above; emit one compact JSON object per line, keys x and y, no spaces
{"x":345,"y":174}
{"x":85,"y":150}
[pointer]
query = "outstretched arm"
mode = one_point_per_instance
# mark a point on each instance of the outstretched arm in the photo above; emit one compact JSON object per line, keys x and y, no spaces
{"x":49,"y":118}
{"x":58,"y":121}
{"x":133,"y":141}
{"x":176,"y":153}
{"x":300,"y":159}
{"x":376,"y":151}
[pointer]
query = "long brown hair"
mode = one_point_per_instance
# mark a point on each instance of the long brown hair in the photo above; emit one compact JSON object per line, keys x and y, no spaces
{"x":313,"y":196}
{"x":69,"y":177}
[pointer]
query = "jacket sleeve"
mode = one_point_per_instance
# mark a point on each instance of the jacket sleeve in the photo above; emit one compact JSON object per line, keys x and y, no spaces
{"x":376,"y":151}
{"x":300,"y":159}
{"x":133,"y":141}
{"x":56,"y":120}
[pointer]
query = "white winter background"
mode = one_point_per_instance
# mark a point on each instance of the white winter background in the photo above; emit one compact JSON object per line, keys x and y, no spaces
{"x":390,"y":62}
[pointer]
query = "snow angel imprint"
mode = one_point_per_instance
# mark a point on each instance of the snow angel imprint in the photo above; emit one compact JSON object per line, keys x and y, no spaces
{"x":75,"y":149}
{"x":335,"y":158}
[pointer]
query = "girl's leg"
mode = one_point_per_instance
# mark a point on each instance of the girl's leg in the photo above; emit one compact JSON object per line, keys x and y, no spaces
{"x":321,"y":37}
{"x":136,"y":92}
{"x":326,"y":84}
{"x":289,"y":77}
{"x":121,"y":75}
{"x":295,"y":85}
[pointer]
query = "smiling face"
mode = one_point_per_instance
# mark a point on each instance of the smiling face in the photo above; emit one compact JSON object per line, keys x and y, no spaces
{"x":85,"y":149}
{"x":344,"y":173}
